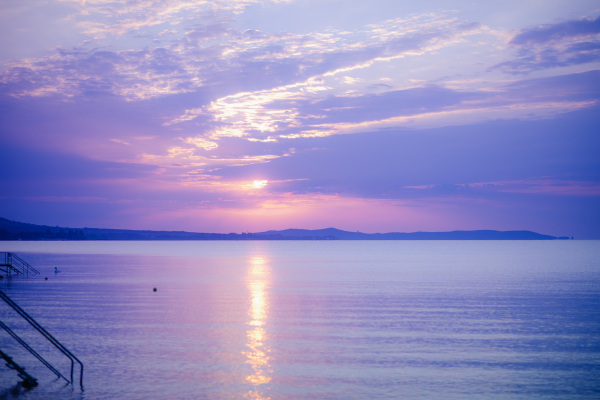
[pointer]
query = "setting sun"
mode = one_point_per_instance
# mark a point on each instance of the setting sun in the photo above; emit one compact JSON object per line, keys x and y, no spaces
{"x":259,"y":184}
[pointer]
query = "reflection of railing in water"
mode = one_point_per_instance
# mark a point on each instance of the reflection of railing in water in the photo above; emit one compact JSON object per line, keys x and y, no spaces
{"x":47,"y":335}
{"x":28,"y":380}
{"x":12,"y":263}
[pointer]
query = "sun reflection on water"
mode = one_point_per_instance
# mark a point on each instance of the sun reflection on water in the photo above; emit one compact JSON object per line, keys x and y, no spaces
{"x":257,"y":356}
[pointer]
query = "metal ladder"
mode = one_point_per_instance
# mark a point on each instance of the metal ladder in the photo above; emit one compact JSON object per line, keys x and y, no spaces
{"x":12,"y":263}
{"x":48,"y":336}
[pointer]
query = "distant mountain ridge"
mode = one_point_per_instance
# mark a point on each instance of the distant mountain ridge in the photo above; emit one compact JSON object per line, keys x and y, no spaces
{"x":333,"y":233}
{"x":13,"y":230}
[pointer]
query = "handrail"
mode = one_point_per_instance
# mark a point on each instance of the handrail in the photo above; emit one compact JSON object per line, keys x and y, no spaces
{"x":47,"y":335}
{"x":5,"y":261}
{"x":16,"y":263}
{"x":32,"y":351}
{"x":25,"y":267}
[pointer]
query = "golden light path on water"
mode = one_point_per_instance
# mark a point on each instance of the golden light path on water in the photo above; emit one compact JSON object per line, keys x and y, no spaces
{"x":257,"y":280}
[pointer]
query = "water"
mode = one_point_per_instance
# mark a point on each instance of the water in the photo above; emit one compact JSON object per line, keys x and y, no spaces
{"x":312,"y":320}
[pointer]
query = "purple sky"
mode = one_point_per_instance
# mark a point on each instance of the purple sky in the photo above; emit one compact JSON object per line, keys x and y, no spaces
{"x":248,"y":115}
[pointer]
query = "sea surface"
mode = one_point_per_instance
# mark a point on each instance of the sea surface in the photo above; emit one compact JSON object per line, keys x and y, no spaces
{"x":308,"y":320}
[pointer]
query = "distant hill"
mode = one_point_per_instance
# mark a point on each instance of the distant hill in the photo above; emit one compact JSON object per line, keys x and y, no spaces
{"x":13,"y":230}
{"x":333,"y":234}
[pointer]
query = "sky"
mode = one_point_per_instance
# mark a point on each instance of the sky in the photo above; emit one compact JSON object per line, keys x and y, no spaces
{"x":249,"y":115}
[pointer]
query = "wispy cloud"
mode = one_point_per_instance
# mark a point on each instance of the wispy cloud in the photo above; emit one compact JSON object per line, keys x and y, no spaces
{"x":576,"y":29}
{"x":180,"y":157}
{"x":541,"y":187}
{"x":555,"y":45}
{"x":319,"y":64}
{"x":214,"y":55}
{"x":536,"y":186}
{"x":289,"y":112}
{"x":99,"y":18}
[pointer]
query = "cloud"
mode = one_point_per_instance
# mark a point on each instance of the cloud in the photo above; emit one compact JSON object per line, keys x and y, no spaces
{"x":575,"y":29}
{"x":131,"y":75}
{"x":312,"y":63}
{"x":215,"y":55}
{"x":397,"y":162}
{"x":581,"y":86}
{"x":100,"y":18}
{"x":288,"y":113}
{"x":541,"y":186}
{"x":556,"y":45}
{"x":535,"y":186}
{"x":121,"y":141}
{"x":183,"y":162}
{"x":201,"y":142}
{"x":58,"y":177}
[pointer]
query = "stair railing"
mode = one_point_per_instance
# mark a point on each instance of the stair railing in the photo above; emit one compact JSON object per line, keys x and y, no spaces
{"x":32,"y":351}
{"x":48,"y":336}
{"x":17,"y":264}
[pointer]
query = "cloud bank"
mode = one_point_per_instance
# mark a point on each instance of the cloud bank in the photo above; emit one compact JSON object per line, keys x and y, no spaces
{"x":170,"y":110}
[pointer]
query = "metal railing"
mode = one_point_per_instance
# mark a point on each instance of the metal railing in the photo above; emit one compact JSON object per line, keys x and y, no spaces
{"x":32,"y":351}
{"x":14,"y":263}
{"x":48,"y":336}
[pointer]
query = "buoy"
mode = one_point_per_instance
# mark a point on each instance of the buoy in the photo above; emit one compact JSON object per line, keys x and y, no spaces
{"x":46,"y":278}
{"x":154,"y":290}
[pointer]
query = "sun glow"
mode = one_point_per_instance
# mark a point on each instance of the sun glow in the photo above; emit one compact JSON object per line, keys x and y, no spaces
{"x":259,"y":184}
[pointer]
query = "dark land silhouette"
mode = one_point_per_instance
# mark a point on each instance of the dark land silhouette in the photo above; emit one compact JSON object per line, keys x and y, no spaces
{"x":13,"y":230}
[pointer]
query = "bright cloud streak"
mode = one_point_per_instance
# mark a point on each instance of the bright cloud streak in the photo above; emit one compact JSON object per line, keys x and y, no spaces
{"x":459,"y":116}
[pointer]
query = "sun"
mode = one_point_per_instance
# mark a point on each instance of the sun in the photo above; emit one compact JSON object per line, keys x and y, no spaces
{"x":259,"y":184}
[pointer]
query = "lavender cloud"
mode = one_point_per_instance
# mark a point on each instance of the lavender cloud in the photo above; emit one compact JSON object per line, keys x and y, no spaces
{"x":556,"y":45}
{"x":577,"y":29}
{"x":387,"y":164}
{"x":100,"y":18}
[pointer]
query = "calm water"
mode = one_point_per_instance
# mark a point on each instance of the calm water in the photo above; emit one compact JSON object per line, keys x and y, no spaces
{"x":312,"y":320}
